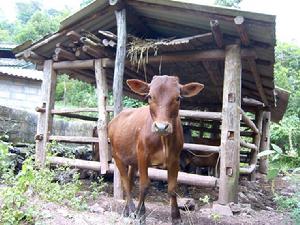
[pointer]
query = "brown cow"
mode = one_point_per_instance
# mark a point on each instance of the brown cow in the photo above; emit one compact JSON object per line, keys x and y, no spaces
{"x":151,"y":136}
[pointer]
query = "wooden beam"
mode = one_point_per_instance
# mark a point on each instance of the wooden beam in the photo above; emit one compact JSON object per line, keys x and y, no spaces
{"x":62,"y":54}
{"x":102,"y":95}
{"x":196,"y":55}
{"x":74,"y":139}
{"x":265,"y":142}
{"x":45,"y":119}
{"x":201,"y":148}
{"x":216,"y":30}
{"x":76,"y":116}
{"x":120,"y":13}
{"x":154,"y":174}
{"x":214,"y":76}
{"x":241,"y":29}
{"x":200,"y":114}
{"x":248,"y":145}
{"x":230,"y":132}
{"x":73,"y":36}
{"x":258,"y":81}
{"x":76,"y":64}
{"x":257,"y":139}
{"x":248,"y":121}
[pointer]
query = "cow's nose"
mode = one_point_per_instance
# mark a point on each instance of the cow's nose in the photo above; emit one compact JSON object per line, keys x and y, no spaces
{"x":161,"y":127}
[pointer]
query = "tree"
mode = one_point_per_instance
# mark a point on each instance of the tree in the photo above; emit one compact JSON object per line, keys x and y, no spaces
{"x":228,"y":3}
{"x":26,"y":10}
{"x":40,"y":24}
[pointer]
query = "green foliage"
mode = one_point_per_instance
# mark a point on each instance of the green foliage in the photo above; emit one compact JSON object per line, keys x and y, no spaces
{"x":291,"y":203}
{"x":84,"y":3}
{"x":228,"y":3}
{"x":281,"y":162}
{"x":75,"y":93}
{"x":40,"y":24}
{"x":16,"y":206}
{"x":26,"y":10}
{"x":286,"y":134}
{"x":32,"y":23}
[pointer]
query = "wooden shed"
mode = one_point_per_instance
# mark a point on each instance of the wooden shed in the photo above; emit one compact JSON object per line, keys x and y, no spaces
{"x":228,"y":50}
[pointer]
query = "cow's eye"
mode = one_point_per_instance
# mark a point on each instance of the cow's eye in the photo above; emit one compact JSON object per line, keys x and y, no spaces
{"x":148,"y":97}
{"x":178,"y":98}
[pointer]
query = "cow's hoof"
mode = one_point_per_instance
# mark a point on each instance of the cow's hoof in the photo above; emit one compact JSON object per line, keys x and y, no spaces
{"x":129,"y":210}
{"x":177,"y":221}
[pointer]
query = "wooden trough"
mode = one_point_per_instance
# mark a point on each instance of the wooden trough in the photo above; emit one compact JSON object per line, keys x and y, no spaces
{"x":234,"y":62}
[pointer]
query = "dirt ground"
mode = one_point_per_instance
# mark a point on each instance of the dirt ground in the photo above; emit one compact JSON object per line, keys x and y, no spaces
{"x":256,"y":206}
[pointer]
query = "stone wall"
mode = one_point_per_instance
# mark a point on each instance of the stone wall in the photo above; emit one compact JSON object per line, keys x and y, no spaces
{"x":21,"y":125}
{"x":19,"y":93}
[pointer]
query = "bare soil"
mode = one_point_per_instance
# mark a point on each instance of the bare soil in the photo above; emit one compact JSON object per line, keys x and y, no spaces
{"x":256,"y":207}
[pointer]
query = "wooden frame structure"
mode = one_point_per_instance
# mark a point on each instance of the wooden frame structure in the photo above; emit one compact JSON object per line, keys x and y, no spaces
{"x":93,"y":62}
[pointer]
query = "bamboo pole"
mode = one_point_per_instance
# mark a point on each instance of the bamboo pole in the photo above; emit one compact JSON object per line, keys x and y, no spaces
{"x":102,"y":94}
{"x":230,"y":133}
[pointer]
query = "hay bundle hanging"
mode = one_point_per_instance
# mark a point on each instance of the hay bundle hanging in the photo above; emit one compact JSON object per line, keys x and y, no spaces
{"x":138,"y":50}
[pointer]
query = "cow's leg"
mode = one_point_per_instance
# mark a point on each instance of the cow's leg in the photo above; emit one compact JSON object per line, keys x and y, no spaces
{"x":127,"y":184}
{"x":173,"y":167}
{"x":144,"y":185}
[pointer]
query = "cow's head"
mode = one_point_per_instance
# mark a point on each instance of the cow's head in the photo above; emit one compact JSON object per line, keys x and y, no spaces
{"x":164,"y":94}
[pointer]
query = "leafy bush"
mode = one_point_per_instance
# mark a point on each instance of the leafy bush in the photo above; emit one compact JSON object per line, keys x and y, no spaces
{"x":30,"y":182}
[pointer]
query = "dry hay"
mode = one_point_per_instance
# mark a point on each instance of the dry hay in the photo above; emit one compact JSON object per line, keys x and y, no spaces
{"x":138,"y":50}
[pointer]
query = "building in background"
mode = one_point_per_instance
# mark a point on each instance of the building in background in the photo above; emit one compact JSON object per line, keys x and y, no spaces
{"x":20,"y":83}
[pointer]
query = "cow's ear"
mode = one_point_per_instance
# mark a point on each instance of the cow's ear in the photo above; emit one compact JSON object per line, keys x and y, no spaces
{"x":138,"y":86}
{"x":191,"y":89}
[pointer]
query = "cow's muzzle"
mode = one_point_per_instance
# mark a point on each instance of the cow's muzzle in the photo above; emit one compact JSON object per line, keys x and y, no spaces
{"x":162,"y":128}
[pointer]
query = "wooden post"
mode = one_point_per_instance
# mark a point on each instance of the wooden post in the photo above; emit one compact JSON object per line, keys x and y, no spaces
{"x":120,"y":13}
{"x":257,"y":139}
{"x":230,"y":134}
{"x":45,"y":119}
{"x":265,"y":142}
{"x":102,"y":93}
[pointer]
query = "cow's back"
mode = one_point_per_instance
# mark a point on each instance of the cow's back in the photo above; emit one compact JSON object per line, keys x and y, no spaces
{"x":124,"y":130}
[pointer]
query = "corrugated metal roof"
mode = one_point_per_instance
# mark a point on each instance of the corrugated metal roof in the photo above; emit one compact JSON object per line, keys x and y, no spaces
{"x":14,"y":62}
{"x":22,"y":73}
{"x":169,"y":18}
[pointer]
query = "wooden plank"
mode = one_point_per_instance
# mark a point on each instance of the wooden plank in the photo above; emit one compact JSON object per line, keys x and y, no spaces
{"x":74,"y":139}
{"x":216,"y":30}
{"x":154,"y":174}
{"x":241,"y":29}
{"x":230,"y":132}
{"x":258,"y":81}
{"x":118,"y":77}
{"x":45,"y":119}
{"x":265,"y":142}
{"x":76,"y":64}
{"x":102,"y":94}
